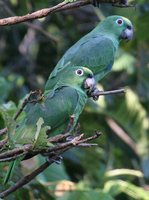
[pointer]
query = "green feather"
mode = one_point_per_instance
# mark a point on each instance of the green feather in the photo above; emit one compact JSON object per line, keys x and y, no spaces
{"x":11,"y":169}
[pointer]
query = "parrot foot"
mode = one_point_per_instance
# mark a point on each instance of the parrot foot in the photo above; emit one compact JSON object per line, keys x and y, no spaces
{"x":72,"y":137}
{"x":56,"y":160}
{"x":95,"y":94}
{"x":69,"y":138}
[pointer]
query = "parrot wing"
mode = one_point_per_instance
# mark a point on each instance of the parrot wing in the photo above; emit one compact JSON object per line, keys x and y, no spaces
{"x":96,"y":52}
{"x":55,"y":111}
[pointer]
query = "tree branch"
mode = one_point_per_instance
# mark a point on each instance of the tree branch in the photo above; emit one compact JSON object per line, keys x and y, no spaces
{"x":47,"y":11}
{"x":97,"y":93}
{"x":25,"y":180}
{"x":3,"y":143}
{"x":27,"y":149}
{"x":30,"y":25}
{"x":57,"y":151}
{"x":3,"y":131}
{"x":119,"y":91}
{"x":15,"y":151}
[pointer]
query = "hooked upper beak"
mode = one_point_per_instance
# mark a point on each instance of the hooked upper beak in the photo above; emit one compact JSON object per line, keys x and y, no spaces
{"x":89,"y":83}
{"x":127,"y":34}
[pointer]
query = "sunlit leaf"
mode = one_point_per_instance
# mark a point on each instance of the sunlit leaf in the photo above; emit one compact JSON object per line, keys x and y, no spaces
{"x":118,"y":186}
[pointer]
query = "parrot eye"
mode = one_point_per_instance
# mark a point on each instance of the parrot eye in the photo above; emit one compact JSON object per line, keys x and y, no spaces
{"x":79,"y":72}
{"x":119,"y":22}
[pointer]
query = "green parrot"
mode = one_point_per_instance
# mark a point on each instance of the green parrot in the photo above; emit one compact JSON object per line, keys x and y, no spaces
{"x":68,"y":97}
{"x":96,"y":50}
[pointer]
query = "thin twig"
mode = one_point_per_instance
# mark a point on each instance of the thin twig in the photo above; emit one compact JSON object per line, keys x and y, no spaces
{"x":3,"y":143}
{"x":27,"y":100}
{"x":46,"y":11}
{"x":87,"y":145}
{"x":15,"y":151}
{"x":58,"y":138}
{"x":74,"y":142}
{"x":123,"y":135}
{"x":9,"y":159}
{"x":96,"y":93}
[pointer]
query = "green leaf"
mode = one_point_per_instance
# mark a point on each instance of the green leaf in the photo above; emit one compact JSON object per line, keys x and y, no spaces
{"x":122,"y":172}
{"x":118,"y":186}
{"x":7,"y":111}
{"x":40,"y":139}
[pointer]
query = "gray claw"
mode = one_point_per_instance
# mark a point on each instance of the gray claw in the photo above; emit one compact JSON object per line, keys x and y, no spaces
{"x":56,"y":160}
{"x":95,"y":94}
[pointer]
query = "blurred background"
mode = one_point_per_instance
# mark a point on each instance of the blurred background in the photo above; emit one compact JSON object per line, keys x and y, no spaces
{"x":119,"y":168}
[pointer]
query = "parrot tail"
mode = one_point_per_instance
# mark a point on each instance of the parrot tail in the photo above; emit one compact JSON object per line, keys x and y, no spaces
{"x":11,"y":168}
{"x":10,"y":171}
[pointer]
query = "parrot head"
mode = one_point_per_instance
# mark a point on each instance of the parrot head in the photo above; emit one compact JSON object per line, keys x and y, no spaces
{"x":120,"y":26}
{"x":77,"y":77}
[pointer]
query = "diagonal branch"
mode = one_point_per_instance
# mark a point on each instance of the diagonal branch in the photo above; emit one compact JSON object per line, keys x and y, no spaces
{"x":47,"y":11}
{"x":25,"y":180}
{"x":123,"y":135}
{"x":3,"y":131}
{"x":3,"y":143}
{"x":16,"y":151}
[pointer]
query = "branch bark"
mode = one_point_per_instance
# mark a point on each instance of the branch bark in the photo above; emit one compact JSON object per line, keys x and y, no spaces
{"x":3,"y":131}
{"x":47,"y":11}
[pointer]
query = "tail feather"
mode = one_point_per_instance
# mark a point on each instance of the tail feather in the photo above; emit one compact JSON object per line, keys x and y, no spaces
{"x":10,"y":171}
{"x":11,"y":168}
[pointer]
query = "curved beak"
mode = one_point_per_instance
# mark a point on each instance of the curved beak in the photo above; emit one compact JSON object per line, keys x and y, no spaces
{"x":127,"y":34}
{"x":89,"y":83}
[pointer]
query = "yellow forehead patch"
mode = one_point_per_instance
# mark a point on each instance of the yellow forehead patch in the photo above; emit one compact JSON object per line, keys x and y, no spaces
{"x":127,"y":21}
{"x":87,"y":70}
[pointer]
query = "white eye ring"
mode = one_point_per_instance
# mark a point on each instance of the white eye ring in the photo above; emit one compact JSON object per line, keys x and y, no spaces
{"x":79,"y":72}
{"x":119,"y":22}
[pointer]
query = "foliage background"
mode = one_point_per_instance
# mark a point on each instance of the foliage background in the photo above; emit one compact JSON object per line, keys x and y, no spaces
{"x":119,"y":168}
